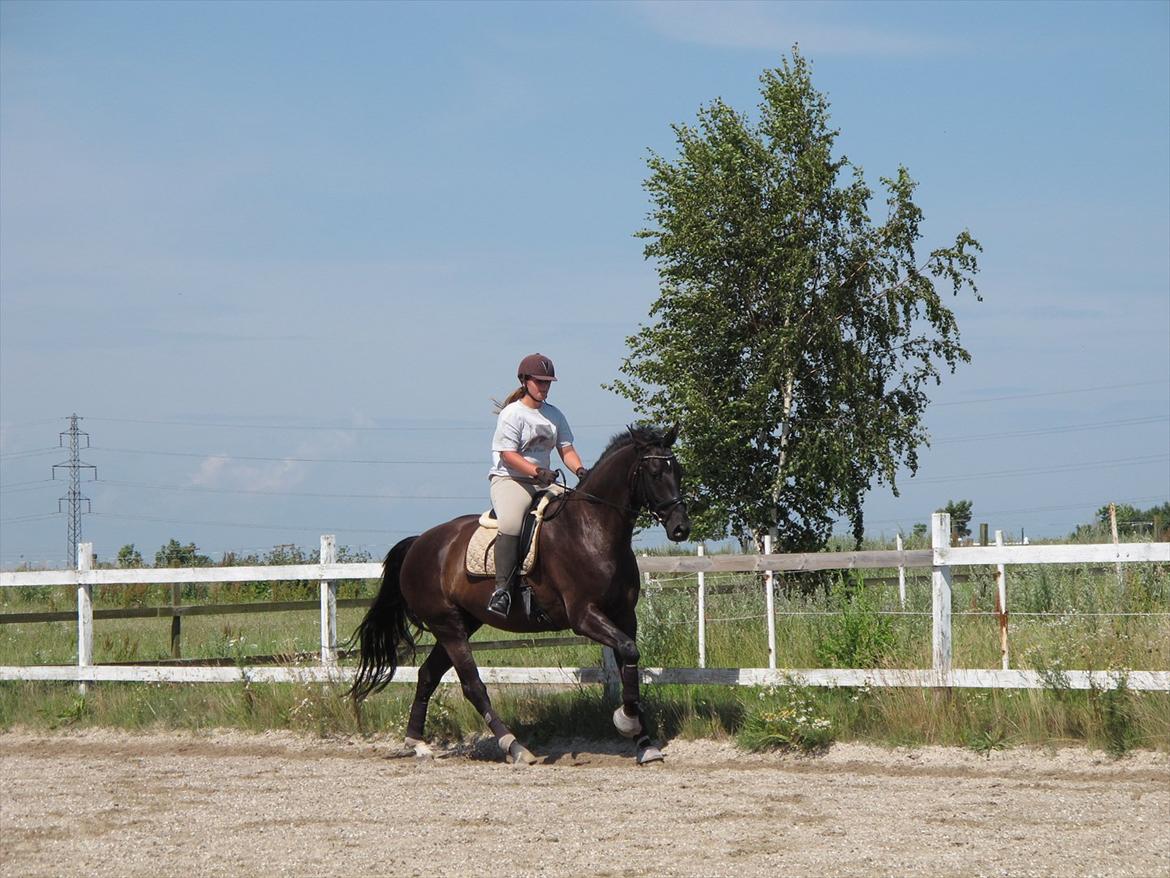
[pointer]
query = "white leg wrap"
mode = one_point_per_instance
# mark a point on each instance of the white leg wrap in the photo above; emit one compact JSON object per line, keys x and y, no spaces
{"x":628,"y":726}
{"x":506,"y":742}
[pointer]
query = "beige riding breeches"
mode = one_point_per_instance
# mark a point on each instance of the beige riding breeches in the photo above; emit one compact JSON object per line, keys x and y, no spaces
{"x":511,"y":500}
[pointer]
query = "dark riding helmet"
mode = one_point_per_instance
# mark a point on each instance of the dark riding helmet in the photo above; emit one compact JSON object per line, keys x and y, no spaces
{"x":536,"y":366}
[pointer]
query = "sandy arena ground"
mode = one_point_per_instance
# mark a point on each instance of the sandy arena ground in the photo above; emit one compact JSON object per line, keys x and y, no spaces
{"x":230,"y":804}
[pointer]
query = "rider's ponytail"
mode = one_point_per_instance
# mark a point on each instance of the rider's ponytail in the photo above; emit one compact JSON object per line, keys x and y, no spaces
{"x":516,"y":394}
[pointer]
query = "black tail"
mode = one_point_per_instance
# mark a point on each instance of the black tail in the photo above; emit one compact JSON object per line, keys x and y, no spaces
{"x":384,"y":633}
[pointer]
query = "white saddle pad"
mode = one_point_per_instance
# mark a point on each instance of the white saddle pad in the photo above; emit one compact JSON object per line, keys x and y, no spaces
{"x":481,"y":550}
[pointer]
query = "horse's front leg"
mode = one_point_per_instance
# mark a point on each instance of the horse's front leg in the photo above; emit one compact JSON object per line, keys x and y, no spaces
{"x":629,"y":718}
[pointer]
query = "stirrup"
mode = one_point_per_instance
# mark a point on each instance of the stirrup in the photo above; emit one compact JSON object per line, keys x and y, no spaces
{"x":500,"y":603}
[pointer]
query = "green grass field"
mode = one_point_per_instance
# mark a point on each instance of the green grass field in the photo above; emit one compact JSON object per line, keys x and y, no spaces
{"x":1065,"y":617}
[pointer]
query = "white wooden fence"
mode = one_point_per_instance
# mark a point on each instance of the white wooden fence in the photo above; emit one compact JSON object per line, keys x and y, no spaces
{"x":940,"y":558}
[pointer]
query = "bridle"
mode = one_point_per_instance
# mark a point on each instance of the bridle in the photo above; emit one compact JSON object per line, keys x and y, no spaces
{"x":659,"y":511}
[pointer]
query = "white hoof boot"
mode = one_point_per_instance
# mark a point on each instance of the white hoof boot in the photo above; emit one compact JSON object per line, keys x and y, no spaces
{"x":628,"y":726}
{"x":516,"y":753}
{"x":649,"y":754}
{"x":421,"y":749}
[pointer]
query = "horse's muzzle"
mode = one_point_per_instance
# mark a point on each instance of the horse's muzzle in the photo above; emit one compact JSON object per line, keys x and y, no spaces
{"x":678,"y":526}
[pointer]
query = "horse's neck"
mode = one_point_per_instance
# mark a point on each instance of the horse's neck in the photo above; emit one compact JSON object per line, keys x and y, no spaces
{"x":610,"y":483}
{"x":610,"y":479}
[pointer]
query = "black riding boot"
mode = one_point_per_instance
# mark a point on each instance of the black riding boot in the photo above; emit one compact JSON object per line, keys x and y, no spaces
{"x":507,"y":562}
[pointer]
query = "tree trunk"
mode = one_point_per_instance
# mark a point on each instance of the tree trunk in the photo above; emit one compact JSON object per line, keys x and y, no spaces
{"x":785,"y":430}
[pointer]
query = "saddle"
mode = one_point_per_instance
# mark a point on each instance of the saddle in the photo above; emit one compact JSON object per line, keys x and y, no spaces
{"x":481,"y":550}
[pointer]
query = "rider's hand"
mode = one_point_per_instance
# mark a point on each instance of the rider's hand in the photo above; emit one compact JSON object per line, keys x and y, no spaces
{"x":544,"y":477}
{"x":581,"y":472}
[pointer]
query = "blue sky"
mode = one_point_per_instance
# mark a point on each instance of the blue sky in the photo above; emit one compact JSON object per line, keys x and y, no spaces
{"x":258,"y":246}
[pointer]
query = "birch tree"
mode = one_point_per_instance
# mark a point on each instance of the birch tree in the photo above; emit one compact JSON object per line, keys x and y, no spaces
{"x":793,"y":337}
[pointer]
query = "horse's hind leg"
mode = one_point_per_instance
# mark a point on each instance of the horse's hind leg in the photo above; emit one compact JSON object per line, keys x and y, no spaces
{"x":475,"y":691}
{"x":430,"y":672}
{"x":628,"y":718}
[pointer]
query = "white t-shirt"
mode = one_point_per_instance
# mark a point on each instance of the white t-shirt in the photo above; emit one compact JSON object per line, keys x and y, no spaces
{"x":531,"y":432}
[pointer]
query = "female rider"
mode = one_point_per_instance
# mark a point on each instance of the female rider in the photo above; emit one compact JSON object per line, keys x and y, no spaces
{"x":527,"y":430}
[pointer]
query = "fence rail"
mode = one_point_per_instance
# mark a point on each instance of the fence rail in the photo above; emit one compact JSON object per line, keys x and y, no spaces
{"x":941,"y":558}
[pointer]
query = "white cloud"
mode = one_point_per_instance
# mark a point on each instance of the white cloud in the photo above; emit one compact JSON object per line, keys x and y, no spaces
{"x":777,"y":26}
{"x":222,"y":471}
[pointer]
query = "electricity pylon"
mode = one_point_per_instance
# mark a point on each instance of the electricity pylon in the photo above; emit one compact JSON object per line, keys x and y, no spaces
{"x":73,"y":497}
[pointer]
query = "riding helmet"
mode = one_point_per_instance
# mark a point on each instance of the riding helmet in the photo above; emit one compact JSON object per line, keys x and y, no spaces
{"x":536,"y":366}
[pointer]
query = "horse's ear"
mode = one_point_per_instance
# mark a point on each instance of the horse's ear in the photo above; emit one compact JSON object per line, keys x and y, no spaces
{"x":670,"y":436}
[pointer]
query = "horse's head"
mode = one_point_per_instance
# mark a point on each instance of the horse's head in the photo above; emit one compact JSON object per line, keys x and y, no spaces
{"x":657,"y":481}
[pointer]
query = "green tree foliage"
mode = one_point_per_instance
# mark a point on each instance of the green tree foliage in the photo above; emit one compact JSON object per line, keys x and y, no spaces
{"x":1154,"y":522}
{"x":128,"y":556}
{"x":792,"y":336}
{"x":1130,"y":517}
{"x":174,"y":554}
{"x":960,"y":513}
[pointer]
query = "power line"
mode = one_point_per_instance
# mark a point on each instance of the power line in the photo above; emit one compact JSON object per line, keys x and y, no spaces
{"x":22,"y":424}
{"x":1048,"y":431}
{"x":486,"y":427}
{"x":347,"y":496}
{"x":237,"y":524}
{"x":481,"y":462}
{"x":1087,"y":504}
{"x":201,"y":490}
{"x":31,"y":517}
{"x":1068,"y":428}
{"x":1062,"y":468}
{"x":5,"y":487}
{"x":33,"y":452}
{"x":1051,"y":393}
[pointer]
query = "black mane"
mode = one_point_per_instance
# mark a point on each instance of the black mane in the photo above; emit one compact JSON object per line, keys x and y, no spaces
{"x":639,"y":435}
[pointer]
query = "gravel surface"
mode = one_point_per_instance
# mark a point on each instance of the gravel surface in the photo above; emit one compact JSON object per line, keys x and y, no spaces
{"x":227,"y":803}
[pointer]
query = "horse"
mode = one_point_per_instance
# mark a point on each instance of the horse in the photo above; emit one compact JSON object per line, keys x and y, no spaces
{"x":585,"y":579}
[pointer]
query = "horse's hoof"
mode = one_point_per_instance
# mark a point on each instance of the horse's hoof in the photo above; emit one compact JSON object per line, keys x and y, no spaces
{"x":516,"y":753}
{"x":646,"y":755}
{"x":420,"y":748}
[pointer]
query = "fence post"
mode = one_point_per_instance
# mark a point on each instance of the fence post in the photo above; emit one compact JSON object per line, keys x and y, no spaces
{"x":940,"y":597}
{"x":84,"y":611}
{"x":702,"y":614}
{"x":1113,"y":528}
{"x":770,"y":600}
{"x":328,"y":604}
{"x":901,"y":576}
{"x":1001,"y":604}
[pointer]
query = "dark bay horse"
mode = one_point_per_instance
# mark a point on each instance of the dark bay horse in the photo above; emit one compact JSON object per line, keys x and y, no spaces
{"x":586,"y":578}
